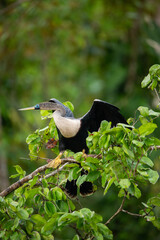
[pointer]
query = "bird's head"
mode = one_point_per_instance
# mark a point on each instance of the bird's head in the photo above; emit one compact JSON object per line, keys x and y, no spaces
{"x":53,"y":105}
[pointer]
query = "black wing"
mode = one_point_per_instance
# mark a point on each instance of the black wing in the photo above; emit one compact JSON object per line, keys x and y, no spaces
{"x":100,"y":111}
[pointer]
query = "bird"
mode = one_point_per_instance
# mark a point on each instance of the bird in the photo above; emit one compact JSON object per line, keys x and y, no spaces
{"x":72,"y":132}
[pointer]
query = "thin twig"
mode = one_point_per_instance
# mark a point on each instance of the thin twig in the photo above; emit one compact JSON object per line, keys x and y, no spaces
{"x":54,"y":172}
{"x":132,"y":214}
{"x":154,"y":148}
{"x":118,"y":211}
{"x":77,"y":231}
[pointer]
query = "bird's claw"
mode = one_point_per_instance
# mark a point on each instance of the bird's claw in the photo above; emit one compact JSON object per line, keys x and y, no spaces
{"x":55,"y":162}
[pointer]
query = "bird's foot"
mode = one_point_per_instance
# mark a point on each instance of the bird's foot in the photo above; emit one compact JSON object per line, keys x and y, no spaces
{"x":84,"y":154}
{"x":55,"y":162}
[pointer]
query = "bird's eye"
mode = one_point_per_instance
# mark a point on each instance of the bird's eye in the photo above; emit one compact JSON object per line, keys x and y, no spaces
{"x":37,"y":106}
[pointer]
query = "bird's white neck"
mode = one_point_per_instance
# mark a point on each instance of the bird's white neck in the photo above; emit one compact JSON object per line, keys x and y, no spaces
{"x":68,"y":127}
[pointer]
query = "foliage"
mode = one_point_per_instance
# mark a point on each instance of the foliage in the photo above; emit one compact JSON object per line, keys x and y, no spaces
{"x":119,"y":157}
{"x":152,"y":80}
{"x":76,"y":50}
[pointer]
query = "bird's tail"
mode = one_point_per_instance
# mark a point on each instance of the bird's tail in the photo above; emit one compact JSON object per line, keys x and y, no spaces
{"x":86,"y":188}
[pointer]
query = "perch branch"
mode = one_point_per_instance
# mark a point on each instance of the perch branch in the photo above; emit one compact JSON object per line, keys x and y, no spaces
{"x":20,"y":182}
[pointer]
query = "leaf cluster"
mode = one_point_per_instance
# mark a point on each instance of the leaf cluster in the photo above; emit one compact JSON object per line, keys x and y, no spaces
{"x":152,"y":80}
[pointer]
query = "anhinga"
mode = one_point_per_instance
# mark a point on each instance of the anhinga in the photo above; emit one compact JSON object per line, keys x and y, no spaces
{"x":73,"y":132}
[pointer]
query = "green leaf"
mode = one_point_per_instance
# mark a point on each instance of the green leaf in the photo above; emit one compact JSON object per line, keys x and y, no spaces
{"x":63,"y":206}
{"x":74,"y":173}
{"x":15,"y":236}
{"x":105,"y":125}
{"x":49,"y":226}
{"x":16,"y":223}
{"x":156,"y":223}
{"x":146,"y":81}
{"x":71,"y":205}
{"x":14,"y":176}
{"x":98,"y":235}
{"x":153,"y":176}
{"x":29,"y":227}
{"x":57,"y":193}
{"x":44,"y":183}
{"x":35,"y":236}
{"x":76,"y":237}
{"x":127,"y":150}
{"x":49,"y":208}
{"x":153,"y":84}
{"x":144,"y":111}
{"x":12,"y":204}
{"x":92,"y":160}
{"x":105,"y":231}
{"x":110,"y":182}
{"x":38,"y":220}
{"x":124,"y":183}
{"x":92,"y":176}
{"x":78,"y":156}
{"x":138,"y":143}
{"x":147,"y":161}
{"x":153,"y":113}
{"x":69,"y":105}
{"x":33,"y":138}
{"x":2,"y":233}
{"x":33,"y":181}
{"x":137,"y":192}
{"x":154,"y":68}
{"x":22,"y":214}
{"x":147,"y":128}
{"x":104,"y":178}
{"x":81,"y":179}
{"x":154,"y":201}
{"x":67,"y":218}
{"x":46,"y":114}
{"x":87,"y":213}
{"x":19,"y":170}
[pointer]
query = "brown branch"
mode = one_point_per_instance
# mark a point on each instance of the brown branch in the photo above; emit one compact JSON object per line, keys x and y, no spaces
{"x":118,"y":211}
{"x":20,"y":182}
{"x":132,"y":214}
{"x":154,"y":148}
{"x":54,"y":172}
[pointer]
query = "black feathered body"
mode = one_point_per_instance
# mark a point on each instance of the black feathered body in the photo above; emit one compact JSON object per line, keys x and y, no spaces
{"x":90,"y":122}
{"x":76,"y":143}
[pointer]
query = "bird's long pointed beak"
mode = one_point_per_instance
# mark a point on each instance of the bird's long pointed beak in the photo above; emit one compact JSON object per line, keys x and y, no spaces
{"x":25,"y":109}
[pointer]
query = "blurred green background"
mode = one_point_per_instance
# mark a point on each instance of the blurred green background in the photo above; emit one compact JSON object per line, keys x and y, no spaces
{"x":76,"y":51}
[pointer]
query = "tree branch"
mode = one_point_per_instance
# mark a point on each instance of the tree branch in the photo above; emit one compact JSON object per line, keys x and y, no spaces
{"x":20,"y":182}
{"x":132,"y":214}
{"x":118,"y":211}
{"x":155,"y":147}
